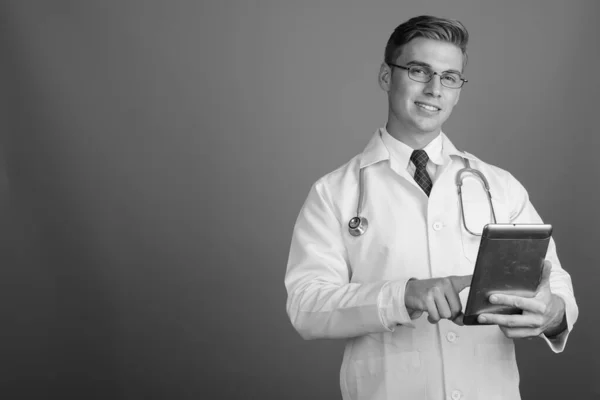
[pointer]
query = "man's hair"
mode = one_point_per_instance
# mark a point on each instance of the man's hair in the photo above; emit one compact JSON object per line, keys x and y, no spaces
{"x":443,"y":29}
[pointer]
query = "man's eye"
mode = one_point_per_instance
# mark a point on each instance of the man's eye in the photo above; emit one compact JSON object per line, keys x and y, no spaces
{"x":450,"y":78}
{"x":419,"y":71}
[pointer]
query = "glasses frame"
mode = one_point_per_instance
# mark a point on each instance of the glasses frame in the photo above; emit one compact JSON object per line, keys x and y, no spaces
{"x":463,"y":80}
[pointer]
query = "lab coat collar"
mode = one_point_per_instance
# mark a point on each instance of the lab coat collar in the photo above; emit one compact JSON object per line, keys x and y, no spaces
{"x":449,"y":150}
{"x":376,"y":151}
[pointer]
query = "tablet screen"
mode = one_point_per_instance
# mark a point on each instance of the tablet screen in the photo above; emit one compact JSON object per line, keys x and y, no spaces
{"x":510,"y":261}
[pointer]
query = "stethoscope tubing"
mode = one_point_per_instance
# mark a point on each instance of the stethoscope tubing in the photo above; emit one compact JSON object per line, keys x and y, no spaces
{"x":486,"y":186}
{"x":358,"y":224}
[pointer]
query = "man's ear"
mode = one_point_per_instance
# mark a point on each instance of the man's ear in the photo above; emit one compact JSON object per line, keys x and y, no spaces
{"x":385,"y":77}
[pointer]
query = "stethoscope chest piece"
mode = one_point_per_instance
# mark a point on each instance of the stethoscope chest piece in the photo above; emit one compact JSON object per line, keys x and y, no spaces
{"x":358,"y":225}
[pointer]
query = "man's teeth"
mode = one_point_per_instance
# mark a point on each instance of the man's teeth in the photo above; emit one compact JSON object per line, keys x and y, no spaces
{"x":427,"y":107}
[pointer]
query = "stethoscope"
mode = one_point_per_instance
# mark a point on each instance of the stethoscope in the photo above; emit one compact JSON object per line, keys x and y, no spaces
{"x":358,"y":225}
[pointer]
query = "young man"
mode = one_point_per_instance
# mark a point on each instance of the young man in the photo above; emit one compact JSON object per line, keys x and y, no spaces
{"x":395,"y":292}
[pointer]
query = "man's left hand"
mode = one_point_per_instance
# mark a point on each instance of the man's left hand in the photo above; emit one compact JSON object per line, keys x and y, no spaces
{"x":542,"y":313}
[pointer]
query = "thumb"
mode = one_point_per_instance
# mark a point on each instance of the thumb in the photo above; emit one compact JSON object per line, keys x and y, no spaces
{"x":459,"y":319}
{"x":546,"y":270}
{"x":461,"y":282}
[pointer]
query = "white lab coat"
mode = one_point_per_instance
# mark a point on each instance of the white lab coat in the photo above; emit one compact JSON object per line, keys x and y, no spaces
{"x":341,"y":286}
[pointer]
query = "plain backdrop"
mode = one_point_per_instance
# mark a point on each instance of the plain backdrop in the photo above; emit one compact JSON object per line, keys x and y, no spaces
{"x":155,"y":155}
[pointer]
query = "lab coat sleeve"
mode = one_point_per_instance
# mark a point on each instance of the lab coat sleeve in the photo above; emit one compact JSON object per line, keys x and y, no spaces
{"x":322,"y":302}
{"x":560,"y":280}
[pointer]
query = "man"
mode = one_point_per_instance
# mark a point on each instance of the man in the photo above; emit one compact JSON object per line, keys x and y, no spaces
{"x":395,"y":293}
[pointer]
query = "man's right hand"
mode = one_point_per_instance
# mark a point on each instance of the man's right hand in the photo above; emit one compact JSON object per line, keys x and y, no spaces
{"x":437,"y":296}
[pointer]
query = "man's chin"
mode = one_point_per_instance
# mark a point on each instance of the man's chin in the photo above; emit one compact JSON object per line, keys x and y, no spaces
{"x":427,"y":126}
{"x":417,"y":126}
{"x":429,"y":130}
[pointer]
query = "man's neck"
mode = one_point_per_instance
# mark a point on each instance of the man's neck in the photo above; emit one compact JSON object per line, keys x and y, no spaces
{"x":414,"y":140}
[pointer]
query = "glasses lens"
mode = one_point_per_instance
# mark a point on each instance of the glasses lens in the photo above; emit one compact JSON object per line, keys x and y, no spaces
{"x":451,"y":80}
{"x":419,"y":74}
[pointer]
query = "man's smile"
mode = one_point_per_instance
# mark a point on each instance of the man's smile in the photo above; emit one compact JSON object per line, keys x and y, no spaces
{"x":427,"y":106}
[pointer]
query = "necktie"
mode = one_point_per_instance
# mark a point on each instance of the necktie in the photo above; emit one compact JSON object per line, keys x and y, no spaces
{"x":420,"y":159}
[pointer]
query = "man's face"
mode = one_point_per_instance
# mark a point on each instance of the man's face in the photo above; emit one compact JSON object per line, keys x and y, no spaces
{"x":416,"y":107}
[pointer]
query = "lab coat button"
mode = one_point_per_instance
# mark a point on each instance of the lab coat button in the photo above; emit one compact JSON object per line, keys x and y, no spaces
{"x":456,"y":395}
{"x":451,"y":336}
{"x":437,"y":226}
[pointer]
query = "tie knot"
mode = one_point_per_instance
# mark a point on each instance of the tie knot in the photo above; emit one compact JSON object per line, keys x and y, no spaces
{"x":419,"y":158}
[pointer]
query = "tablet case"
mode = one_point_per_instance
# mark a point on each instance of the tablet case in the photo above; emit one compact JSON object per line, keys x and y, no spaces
{"x":510,"y":260}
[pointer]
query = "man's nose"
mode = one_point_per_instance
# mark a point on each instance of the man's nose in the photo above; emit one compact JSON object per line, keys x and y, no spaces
{"x":434,"y":86}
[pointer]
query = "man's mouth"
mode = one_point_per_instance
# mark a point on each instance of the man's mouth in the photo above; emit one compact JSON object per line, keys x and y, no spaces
{"x":428,"y":107}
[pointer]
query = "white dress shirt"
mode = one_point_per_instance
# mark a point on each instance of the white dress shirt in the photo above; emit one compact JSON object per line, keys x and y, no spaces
{"x":352,"y":288}
{"x":402,"y":152}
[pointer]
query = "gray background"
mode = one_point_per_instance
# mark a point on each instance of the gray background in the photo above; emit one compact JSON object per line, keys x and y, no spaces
{"x":156,"y":155}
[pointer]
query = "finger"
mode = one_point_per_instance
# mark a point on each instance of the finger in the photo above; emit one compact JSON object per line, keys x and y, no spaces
{"x":511,"y":321}
{"x":454,"y":302}
{"x":442,"y":307}
{"x":459,"y":283}
{"x":524,"y":303}
{"x":433,"y":316}
{"x":546,"y":271}
{"x":458,"y":320}
{"x":519,"y":333}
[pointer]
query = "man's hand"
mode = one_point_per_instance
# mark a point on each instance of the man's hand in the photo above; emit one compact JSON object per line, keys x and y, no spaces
{"x":542,"y":313}
{"x":438,"y":297}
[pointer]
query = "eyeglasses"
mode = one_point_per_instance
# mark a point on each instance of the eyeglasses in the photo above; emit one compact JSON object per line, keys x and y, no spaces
{"x":420,"y":73}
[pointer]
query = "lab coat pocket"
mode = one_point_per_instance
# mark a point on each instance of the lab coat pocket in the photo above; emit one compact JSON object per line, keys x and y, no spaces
{"x":476,"y":216}
{"x":497,"y":373}
{"x":395,"y":375}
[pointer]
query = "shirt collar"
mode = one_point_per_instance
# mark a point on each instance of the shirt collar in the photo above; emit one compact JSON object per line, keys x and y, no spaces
{"x":377,"y":150}
{"x":402,"y":152}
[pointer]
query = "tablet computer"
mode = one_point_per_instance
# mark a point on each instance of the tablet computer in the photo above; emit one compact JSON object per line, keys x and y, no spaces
{"x":510,"y":260}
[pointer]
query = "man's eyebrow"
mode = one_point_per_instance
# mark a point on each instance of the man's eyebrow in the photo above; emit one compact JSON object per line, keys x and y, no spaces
{"x":424,"y":64}
{"x":421,"y":63}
